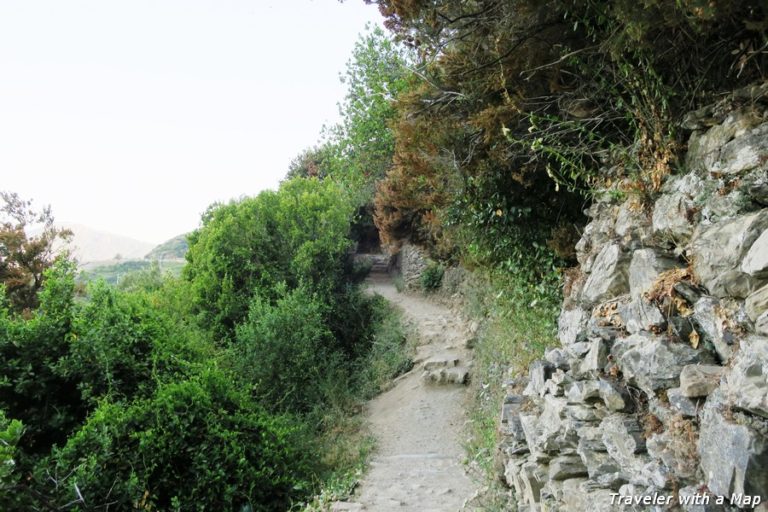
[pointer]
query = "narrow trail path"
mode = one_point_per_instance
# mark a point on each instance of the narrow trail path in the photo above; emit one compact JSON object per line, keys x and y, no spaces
{"x":419,"y":422}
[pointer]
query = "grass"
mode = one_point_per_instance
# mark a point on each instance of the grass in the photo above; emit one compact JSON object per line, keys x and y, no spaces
{"x":518,"y":322}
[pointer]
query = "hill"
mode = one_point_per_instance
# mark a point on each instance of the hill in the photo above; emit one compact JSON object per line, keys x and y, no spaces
{"x":172,"y":249}
{"x":88,"y":244}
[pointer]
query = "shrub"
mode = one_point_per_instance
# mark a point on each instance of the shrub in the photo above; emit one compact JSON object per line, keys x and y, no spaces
{"x":432,"y":277}
{"x":199,"y":444}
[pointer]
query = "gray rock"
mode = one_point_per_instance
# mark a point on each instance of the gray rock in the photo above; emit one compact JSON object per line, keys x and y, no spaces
{"x":693,"y":499}
{"x":746,"y":385}
{"x":757,"y":303}
{"x":681,"y":328}
{"x":718,"y":250}
{"x":539,"y":372}
{"x":653,"y":362}
{"x":599,"y":463}
{"x":642,"y":315}
{"x":565,"y":467}
{"x":632,"y":223}
{"x":576,"y":497}
{"x":645,"y":267}
{"x":688,"y":291}
{"x":728,"y":147}
{"x":700,"y":380}
{"x":744,"y":153}
{"x":761,"y":324}
{"x":734,"y":457}
{"x":570,"y":324}
{"x":686,"y":406}
{"x":613,"y":397}
{"x":622,"y":436}
{"x":580,"y":392}
{"x":609,"y":276}
{"x":510,"y":426}
{"x":670,"y":218}
{"x":756,"y":261}
{"x":596,"y":358}
{"x":558,"y":358}
{"x":708,"y":316}
{"x":675,"y":451}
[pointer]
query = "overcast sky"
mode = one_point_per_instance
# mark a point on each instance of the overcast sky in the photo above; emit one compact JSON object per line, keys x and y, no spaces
{"x":133,"y":116}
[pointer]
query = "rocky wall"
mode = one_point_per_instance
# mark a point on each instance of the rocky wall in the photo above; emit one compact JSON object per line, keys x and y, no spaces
{"x":659,"y":391}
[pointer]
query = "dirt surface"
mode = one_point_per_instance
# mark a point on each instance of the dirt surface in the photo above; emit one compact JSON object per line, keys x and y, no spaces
{"x":419,"y":425}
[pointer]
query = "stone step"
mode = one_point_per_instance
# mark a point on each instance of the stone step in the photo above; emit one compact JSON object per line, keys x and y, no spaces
{"x":440,"y":361}
{"x":346,"y":506}
{"x":443,"y":376}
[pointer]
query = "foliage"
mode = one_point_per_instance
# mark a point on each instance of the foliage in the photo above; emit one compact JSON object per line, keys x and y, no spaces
{"x":198,"y":444}
{"x":432,"y":277}
{"x":284,"y":351}
{"x":525,"y":107}
{"x":33,"y":390}
{"x":24,"y":258}
{"x":297,"y":234}
{"x":10,"y":433}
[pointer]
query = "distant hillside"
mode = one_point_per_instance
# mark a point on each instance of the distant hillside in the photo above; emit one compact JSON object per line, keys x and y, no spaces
{"x":89,"y":244}
{"x":173,"y":249}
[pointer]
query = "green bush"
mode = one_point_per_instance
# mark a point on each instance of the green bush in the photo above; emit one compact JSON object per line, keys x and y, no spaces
{"x":199,"y":444}
{"x":284,"y":350}
{"x":431,"y":278}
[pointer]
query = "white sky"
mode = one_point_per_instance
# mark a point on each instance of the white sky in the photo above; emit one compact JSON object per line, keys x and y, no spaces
{"x":132,"y":116}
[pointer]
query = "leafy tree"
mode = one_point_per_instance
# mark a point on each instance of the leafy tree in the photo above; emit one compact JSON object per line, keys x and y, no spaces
{"x":24,"y":257}
{"x":526,"y":106}
{"x":31,"y":388}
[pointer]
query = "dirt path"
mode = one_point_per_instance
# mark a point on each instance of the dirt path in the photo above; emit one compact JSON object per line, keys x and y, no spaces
{"x":419,"y":424}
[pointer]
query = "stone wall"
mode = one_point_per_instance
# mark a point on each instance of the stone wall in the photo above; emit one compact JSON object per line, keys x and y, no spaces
{"x":412,"y":260}
{"x":661,"y":383}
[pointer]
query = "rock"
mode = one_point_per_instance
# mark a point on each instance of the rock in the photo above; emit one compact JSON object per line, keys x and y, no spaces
{"x":728,"y":147}
{"x":580,"y":392}
{"x":565,"y":467}
{"x":746,"y":385}
{"x":609,"y":277}
{"x":757,"y":187}
{"x":686,"y":406}
{"x":539,"y":372}
{"x":734,"y":457}
{"x":653,"y":362}
{"x":681,"y":327}
{"x":757,"y":303}
{"x":761,"y":324}
{"x":699,"y":380}
{"x":693,"y":499}
{"x":642,"y":315}
{"x":676,"y":451}
{"x":670,"y":218}
{"x":596,"y":358}
{"x":709,"y":318}
{"x":756,"y":261}
{"x":645,"y":267}
{"x":632,"y":223}
{"x":454,"y":375}
{"x":688,"y":291}
{"x":558,"y":358}
{"x":510,"y":426}
{"x":570,"y":324}
{"x":590,"y":439}
{"x":622,"y":437}
{"x":576,"y":497}
{"x":744,"y":153}
{"x":612,"y":397}
{"x":718,"y":250}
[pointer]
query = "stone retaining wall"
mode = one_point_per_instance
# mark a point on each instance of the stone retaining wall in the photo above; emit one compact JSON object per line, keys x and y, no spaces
{"x":660,"y":387}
